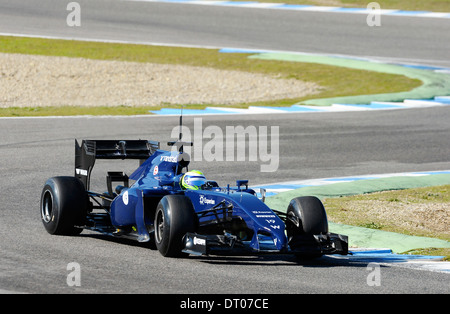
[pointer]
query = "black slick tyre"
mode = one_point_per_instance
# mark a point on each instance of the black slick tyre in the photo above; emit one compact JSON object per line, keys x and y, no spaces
{"x":174,"y":217}
{"x":312,"y":215}
{"x":306,"y":217}
{"x":63,"y":205}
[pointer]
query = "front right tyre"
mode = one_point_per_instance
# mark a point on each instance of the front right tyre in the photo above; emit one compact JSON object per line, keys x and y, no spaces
{"x":306,"y":217}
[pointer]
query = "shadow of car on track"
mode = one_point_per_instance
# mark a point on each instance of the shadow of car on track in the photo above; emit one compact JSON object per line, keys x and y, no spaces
{"x":280,"y":260}
{"x":327,"y":261}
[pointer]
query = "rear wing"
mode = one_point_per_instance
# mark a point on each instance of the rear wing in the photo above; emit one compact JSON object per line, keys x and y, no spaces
{"x":90,"y":150}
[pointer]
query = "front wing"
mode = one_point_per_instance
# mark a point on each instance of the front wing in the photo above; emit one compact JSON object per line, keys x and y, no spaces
{"x":228,"y":244}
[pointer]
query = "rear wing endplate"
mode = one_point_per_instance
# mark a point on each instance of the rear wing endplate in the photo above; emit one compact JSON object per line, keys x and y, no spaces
{"x":90,"y":150}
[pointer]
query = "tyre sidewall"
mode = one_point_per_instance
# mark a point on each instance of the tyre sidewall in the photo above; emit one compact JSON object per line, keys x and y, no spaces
{"x":312,"y":215}
{"x":179,"y":218}
{"x":162,"y":238}
{"x":69,"y":205}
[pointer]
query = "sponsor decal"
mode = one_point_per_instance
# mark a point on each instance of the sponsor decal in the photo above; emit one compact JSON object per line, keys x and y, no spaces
{"x":81,"y":172}
{"x":125,"y":198}
{"x":173,"y":159}
{"x":205,"y":201}
{"x":199,"y":241}
{"x":263,"y":214}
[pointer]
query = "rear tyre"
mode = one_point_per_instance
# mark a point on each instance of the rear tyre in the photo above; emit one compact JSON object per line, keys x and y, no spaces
{"x":63,"y":205}
{"x":174,"y":217}
{"x":306,"y":217}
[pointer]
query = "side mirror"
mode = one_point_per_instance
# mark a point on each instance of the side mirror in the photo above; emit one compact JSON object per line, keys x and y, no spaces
{"x":240,"y":183}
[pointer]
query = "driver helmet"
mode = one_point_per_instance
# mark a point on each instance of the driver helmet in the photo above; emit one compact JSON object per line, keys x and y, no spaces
{"x":193,"y":180}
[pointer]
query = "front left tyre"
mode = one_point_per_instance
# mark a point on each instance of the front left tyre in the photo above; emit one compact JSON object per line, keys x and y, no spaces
{"x":63,"y":205}
{"x":174,"y":217}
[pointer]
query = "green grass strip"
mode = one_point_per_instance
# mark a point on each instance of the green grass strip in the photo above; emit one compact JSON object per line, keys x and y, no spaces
{"x":434,"y":84}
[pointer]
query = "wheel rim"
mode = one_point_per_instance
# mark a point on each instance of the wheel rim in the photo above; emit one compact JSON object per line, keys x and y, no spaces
{"x":159,"y":226}
{"x":47,"y":207}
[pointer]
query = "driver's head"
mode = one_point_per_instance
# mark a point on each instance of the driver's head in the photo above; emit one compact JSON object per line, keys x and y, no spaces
{"x":192,"y":180}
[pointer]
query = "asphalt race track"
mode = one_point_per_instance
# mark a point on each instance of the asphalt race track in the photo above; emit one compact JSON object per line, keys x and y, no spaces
{"x":417,"y":40}
{"x":311,"y":145}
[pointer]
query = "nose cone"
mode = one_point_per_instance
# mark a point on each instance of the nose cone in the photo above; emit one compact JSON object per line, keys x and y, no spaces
{"x":269,"y":228}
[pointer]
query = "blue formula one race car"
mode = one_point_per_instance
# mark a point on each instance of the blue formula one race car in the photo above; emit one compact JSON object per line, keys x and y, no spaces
{"x":178,"y":211}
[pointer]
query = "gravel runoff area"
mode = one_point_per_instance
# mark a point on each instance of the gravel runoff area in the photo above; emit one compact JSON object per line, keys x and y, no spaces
{"x":420,"y":218}
{"x":38,"y":81}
